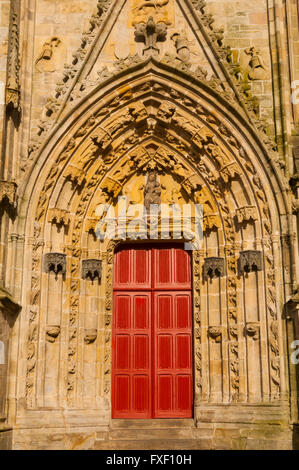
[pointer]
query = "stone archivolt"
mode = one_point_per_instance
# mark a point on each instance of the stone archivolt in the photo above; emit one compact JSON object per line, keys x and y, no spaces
{"x":193,"y":150}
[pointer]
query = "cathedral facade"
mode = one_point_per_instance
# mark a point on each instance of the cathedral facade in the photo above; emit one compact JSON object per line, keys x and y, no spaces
{"x":128,"y":328}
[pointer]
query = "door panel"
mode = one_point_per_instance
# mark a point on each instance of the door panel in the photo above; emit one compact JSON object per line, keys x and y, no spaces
{"x":173,"y":352}
{"x":172,"y":269}
{"x":131,"y":358}
{"x":152,"y":334}
{"x":132,"y":269}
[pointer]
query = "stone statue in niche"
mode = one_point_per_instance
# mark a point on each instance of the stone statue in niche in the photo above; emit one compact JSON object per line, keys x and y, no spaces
{"x":45,"y":62}
{"x":253,"y":65}
{"x":152,"y":191}
{"x":150,"y":34}
{"x":182,"y":46}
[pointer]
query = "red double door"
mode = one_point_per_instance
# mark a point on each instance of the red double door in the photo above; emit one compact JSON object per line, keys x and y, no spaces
{"x":152,"y":369}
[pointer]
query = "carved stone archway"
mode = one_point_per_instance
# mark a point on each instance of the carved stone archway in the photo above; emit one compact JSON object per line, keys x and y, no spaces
{"x":200,"y":142}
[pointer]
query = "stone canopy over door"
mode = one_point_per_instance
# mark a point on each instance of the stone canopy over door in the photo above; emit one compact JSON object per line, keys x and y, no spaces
{"x":152,"y":373}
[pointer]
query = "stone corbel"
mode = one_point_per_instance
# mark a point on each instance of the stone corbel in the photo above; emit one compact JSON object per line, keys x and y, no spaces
{"x":102,"y":139}
{"x":253,"y":330}
{"x":214,"y":267}
{"x":215,"y":332}
{"x":8,"y":194}
{"x":92,"y":268}
{"x":91,"y":225}
{"x":230,"y":171}
{"x":59,"y":216}
{"x":250,"y":261}
{"x":75,"y":175}
{"x":55,"y":262}
{"x":211,"y":222}
{"x":52,"y":332}
{"x":247,"y":214}
{"x":111,"y":187}
{"x":8,"y":303}
{"x":90,"y":336}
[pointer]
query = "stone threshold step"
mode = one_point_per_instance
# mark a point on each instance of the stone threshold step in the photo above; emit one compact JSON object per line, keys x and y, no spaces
{"x":155,"y":444}
{"x":149,"y":434}
{"x":151,"y":423}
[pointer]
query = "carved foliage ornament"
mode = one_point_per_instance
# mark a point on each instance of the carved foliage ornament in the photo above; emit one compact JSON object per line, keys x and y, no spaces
{"x":55,"y":262}
{"x":13,"y":61}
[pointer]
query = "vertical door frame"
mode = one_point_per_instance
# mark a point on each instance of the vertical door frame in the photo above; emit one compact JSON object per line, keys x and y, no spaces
{"x":197,"y":258}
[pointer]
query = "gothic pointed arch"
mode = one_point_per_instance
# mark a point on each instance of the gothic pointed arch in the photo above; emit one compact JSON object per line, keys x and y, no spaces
{"x":166,"y":115}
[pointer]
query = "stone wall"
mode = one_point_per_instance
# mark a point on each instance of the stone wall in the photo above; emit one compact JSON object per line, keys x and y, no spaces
{"x":104,"y":102}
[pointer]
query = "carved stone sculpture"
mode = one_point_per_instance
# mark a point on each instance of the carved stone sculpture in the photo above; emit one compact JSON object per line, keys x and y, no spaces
{"x":13,"y":63}
{"x":150,"y":34}
{"x":152,"y":191}
{"x":91,"y":268}
{"x":7,"y":302}
{"x":215,"y":332}
{"x":258,"y":70}
{"x":159,"y":9}
{"x":214,"y":267}
{"x":247,"y":214}
{"x":52,"y":332}
{"x":46,"y":55}
{"x":59,"y":216}
{"x":253,"y":330}
{"x":182,"y":46}
{"x":90,"y":336}
{"x":8,"y":193}
{"x":55,"y":262}
{"x":250,"y":261}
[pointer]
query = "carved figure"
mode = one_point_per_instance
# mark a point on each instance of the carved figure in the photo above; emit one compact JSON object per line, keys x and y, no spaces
{"x":152,"y":191}
{"x":182,"y":46}
{"x":256,"y":65}
{"x":46,"y":55}
{"x":150,"y":34}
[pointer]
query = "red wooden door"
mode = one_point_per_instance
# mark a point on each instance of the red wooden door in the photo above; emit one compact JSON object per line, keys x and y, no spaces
{"x":152,"y":334}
